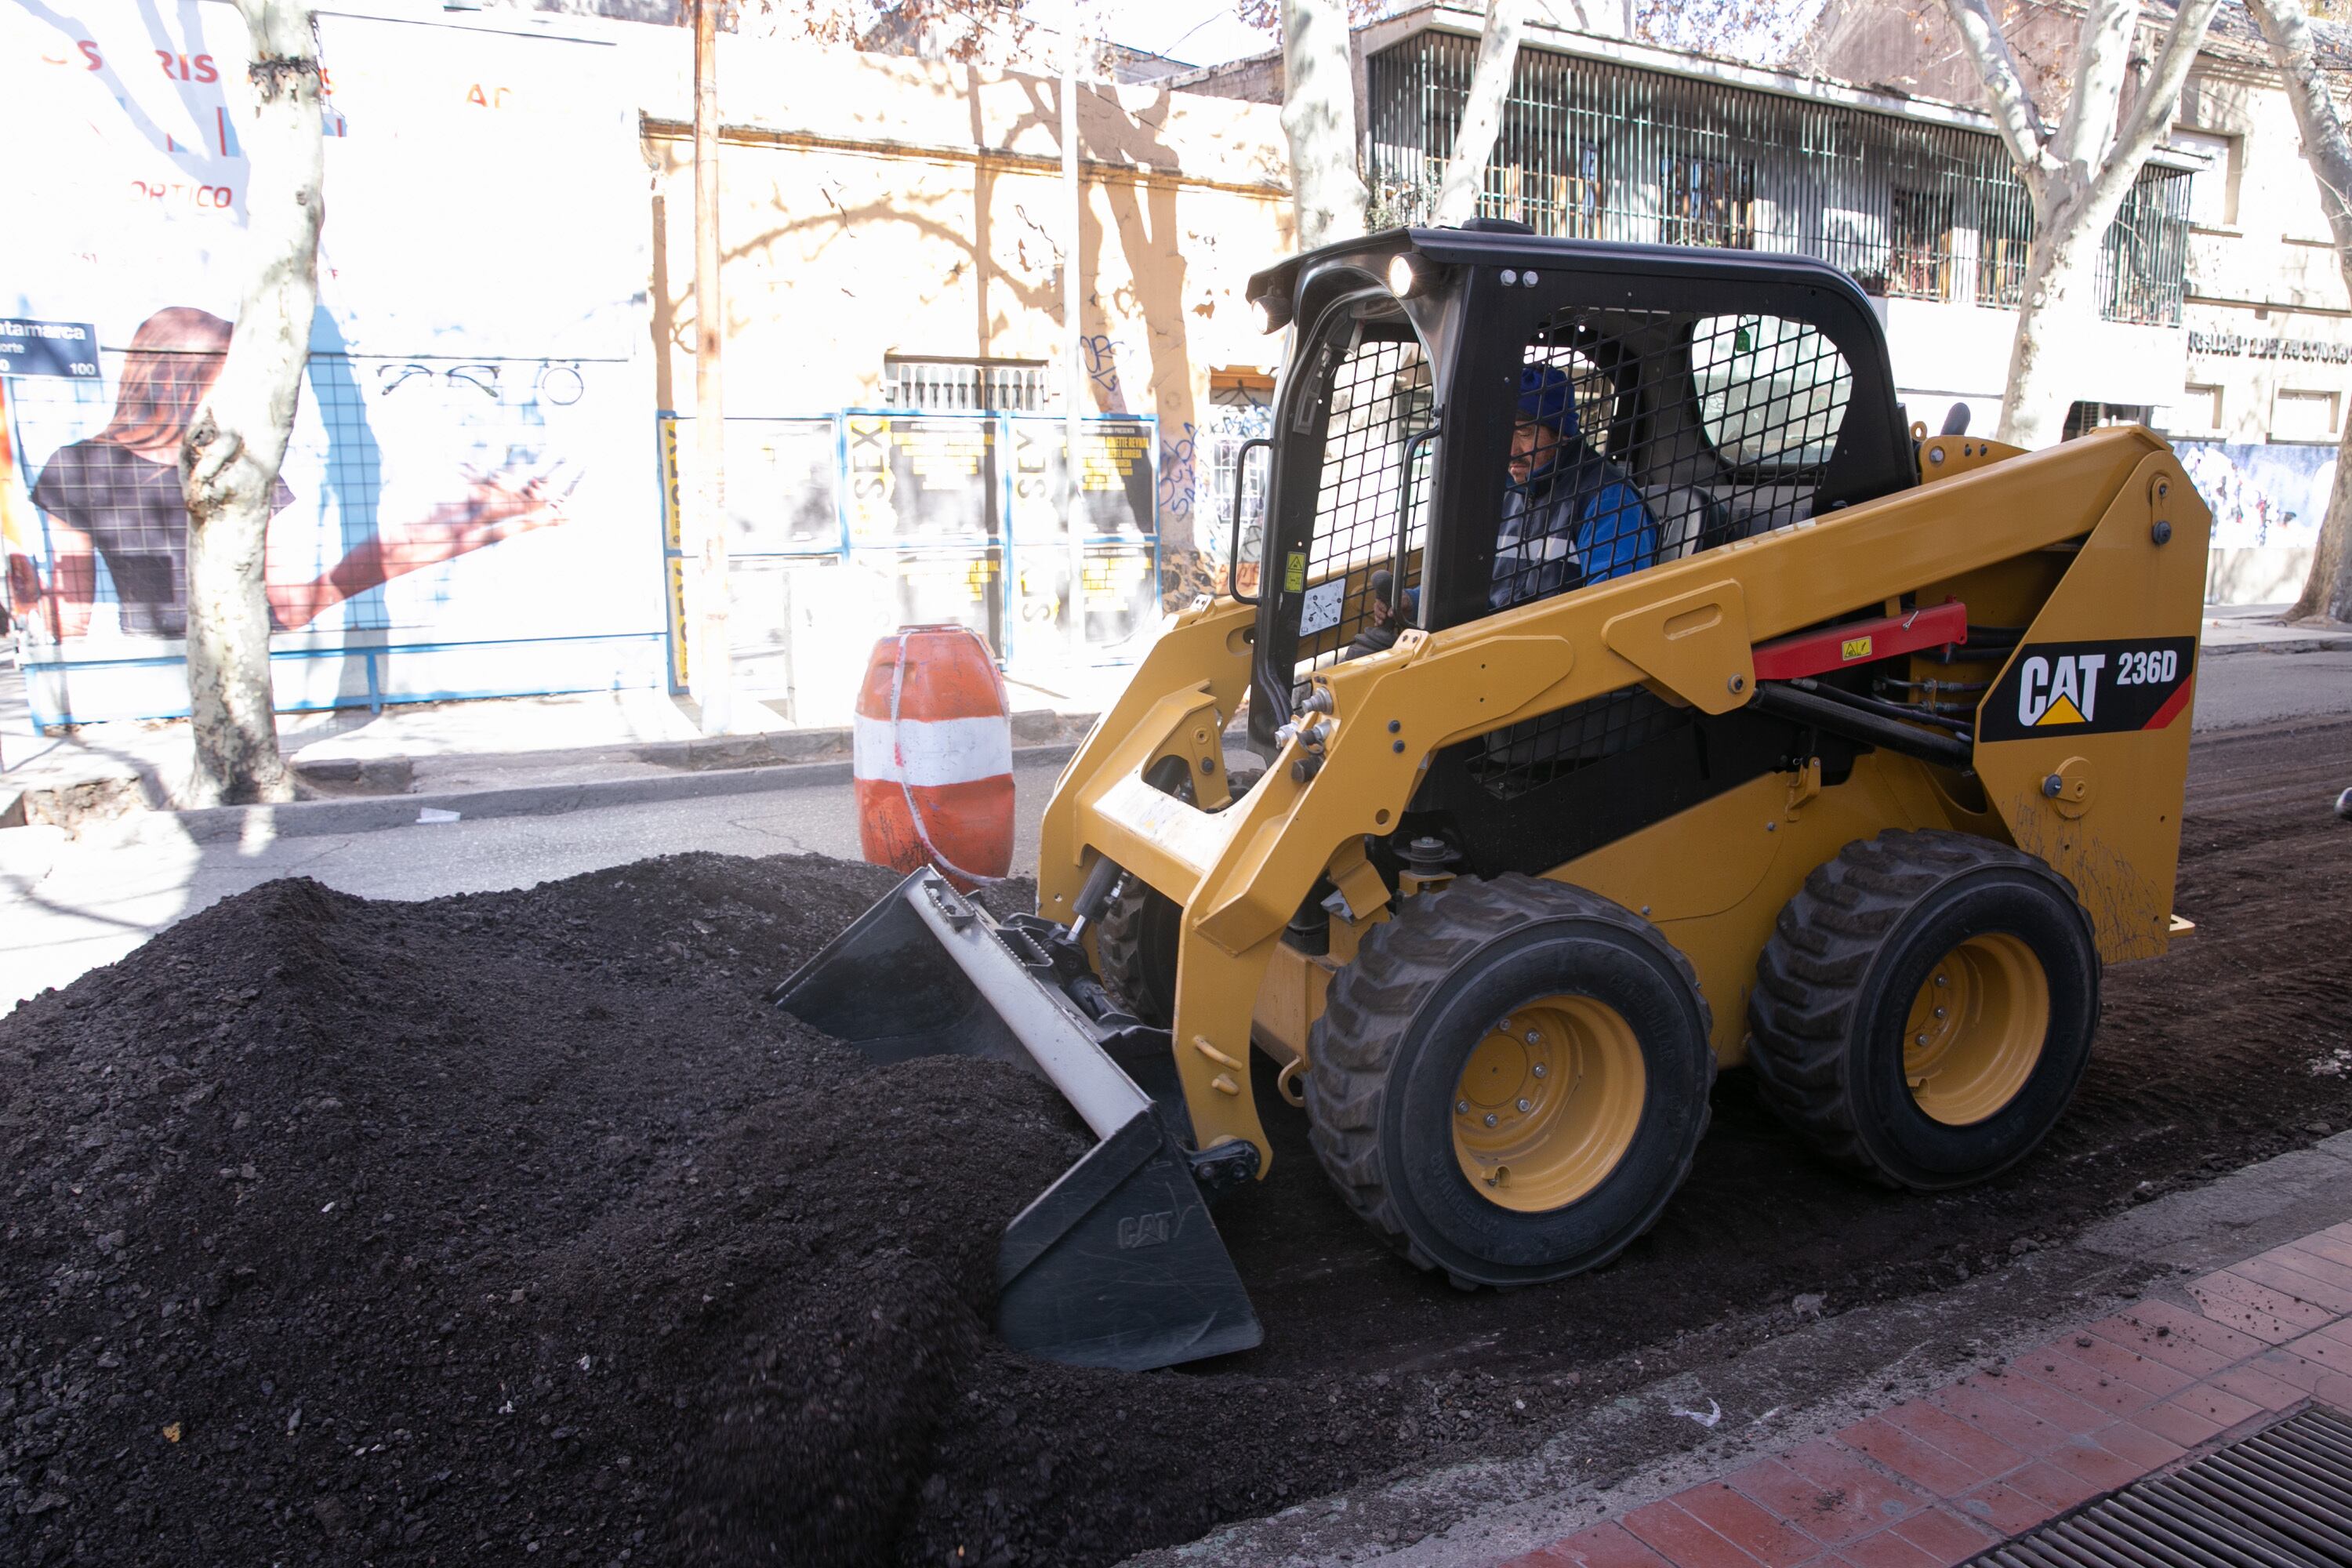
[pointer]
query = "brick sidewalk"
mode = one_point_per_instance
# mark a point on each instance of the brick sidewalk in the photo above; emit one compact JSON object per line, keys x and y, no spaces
{"x":1933,"y":1481}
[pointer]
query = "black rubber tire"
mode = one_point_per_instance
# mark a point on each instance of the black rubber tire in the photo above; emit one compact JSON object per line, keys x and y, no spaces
{"x":1835,"y":984}
{"x":1135,"y":943}
{"x":1402,"y":1017}
{"x":1136,"y":938}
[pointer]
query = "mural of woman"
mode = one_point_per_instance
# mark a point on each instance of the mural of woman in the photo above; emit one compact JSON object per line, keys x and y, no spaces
{"x":116,"y":496}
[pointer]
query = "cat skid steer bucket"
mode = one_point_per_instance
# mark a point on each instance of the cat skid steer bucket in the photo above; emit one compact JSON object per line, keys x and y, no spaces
{"x":1117,"y":1263}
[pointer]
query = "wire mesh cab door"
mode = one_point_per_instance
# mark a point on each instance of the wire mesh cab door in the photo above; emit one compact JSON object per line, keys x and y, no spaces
{"x":1681,"y":399}
{"x":1355,"y":454}
{"x":1616,"y":408}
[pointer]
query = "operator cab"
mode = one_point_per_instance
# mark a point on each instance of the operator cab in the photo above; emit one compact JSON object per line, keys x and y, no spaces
{"x":1483,"y":418}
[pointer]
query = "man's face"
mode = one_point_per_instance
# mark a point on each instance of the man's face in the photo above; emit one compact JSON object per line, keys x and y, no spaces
{"x":1531,"y":448}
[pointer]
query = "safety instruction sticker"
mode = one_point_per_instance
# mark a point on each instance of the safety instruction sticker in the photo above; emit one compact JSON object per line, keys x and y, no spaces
{"x":2090,"y":688}
{"x":1294,"y":571}
{"x":1320,"y":610}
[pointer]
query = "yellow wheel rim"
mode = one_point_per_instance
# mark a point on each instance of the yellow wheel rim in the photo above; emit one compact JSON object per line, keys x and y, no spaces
{"x":1976,"y":1029}
{"x":1548,"y":1103}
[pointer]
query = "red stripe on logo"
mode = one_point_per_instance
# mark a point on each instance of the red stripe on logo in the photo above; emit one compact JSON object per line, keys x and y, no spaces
{"x":2174,"y":705}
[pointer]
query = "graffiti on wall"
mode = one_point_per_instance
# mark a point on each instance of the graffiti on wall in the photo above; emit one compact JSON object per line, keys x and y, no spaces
{"x":1176,"y":478}
{"x":395,"y":471}
{"x":1102,"y":355}
{"x":2261,"y":495}
{"x":448,"y":412}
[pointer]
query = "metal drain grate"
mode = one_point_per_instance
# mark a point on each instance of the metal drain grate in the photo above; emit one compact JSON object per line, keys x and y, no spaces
{"x":2280,"y":1499}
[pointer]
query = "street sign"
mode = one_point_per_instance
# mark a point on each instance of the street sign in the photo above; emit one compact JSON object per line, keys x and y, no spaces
{"x":68,"y":349}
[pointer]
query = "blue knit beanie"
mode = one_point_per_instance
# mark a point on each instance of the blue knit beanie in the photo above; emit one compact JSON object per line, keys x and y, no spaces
{"x":1545,"y":397}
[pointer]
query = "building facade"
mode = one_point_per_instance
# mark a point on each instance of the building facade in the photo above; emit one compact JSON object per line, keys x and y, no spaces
{"x":495,"y":430}
{"x":2222,"y":321}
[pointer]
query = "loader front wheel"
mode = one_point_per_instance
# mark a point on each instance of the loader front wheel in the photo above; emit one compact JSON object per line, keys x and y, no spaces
{"x":1136,"y":941}
{"x":1510,"y":1079}
{"x":1925,"y":1006}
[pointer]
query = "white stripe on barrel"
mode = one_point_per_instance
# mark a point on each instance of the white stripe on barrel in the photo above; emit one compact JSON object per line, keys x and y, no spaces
{"x":931,"y":752}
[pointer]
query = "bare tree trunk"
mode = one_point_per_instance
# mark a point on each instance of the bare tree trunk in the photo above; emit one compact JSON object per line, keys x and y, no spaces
{"x":712,"y":673}
{"x":2077,"y":175}
{"x":1482,"y":116}
{"x":1073,"y":331}
{"x":2328,"y":591}
{"x":234,"y":447}
{"x":2058,"y":303}
{"x":1318,"y":114}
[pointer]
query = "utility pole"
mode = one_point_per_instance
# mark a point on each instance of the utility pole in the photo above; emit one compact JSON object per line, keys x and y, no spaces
{"x":710,"y":675}
{"x":1075,"y":204}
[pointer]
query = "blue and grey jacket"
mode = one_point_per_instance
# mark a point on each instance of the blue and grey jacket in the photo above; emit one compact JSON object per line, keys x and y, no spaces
{"x":1579,"y":519}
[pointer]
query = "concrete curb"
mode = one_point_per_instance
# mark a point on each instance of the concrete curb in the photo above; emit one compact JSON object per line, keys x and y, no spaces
{"x":371,"y":814}
{"x":2320,"y":642}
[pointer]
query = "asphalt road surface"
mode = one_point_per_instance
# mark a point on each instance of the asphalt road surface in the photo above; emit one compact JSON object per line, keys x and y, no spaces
{"x":69,"y":906}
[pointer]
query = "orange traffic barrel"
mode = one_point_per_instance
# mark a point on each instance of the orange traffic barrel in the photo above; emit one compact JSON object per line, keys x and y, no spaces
{"x":934,"y":757}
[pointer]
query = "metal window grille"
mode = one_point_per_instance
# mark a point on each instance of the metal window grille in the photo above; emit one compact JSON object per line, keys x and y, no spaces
{"x":1920,"y":262}
{"x":1610,"y":151}
{"x":2145,"y":253}
{"x":1709,"y":202}
{"x":2004,"y":235}
{"x":967,"y":385}
{"x":1687,"y":432}
{"x":1380,"y":400}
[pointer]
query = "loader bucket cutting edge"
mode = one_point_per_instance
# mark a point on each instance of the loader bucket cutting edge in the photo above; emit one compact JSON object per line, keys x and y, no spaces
{"x":1116,"y":1264}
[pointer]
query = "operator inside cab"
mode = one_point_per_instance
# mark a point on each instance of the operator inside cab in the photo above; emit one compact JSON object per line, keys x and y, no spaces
{"x":1571,"y":517}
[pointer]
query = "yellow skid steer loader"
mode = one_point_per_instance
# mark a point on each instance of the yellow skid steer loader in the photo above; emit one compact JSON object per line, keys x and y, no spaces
{"x":1637,"y":696}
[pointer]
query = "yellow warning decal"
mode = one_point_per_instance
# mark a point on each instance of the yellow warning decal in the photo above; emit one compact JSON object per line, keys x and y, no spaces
{"x":2061,"y":712}
{"x":1294,"y":571}
{"x":1854,"y":648}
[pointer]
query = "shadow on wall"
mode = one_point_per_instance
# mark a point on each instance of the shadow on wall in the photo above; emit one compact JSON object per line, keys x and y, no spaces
{"x":1142,"y":204}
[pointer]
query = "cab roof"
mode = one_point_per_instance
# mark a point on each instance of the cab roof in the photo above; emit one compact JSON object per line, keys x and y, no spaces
{"x":1503,"y":243}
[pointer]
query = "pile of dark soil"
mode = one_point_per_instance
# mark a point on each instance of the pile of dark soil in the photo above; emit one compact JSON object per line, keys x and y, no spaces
{"x":518,"y":1227}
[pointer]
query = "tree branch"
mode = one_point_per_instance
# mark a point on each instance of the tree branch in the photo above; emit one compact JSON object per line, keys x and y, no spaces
{"x":2159,"y":103}
{"x":1482,"y":115}
{"x":2103,"y":46}
{"x":2325,"y":147}
{"x":2013,"y":111}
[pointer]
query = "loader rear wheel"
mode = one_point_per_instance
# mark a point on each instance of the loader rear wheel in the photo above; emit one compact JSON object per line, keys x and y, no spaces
{"x":1510,"y":1079}
{"x":1925,"y":1007}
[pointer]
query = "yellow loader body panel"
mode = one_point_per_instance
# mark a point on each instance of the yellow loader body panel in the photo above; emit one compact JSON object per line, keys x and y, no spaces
{"x":2067,"y":534}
